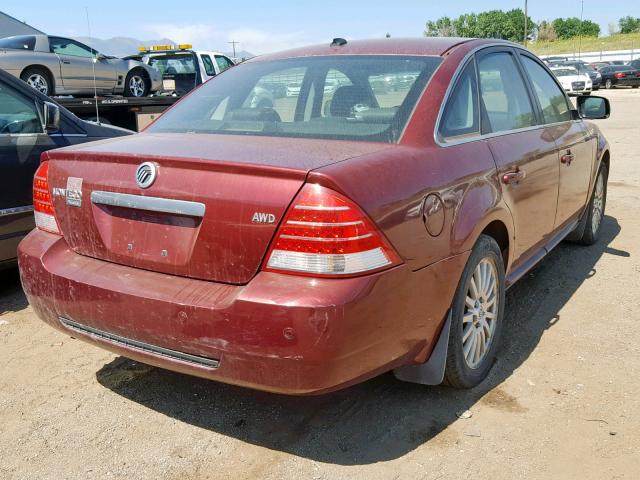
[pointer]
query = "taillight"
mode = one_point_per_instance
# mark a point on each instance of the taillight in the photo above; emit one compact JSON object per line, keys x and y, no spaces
{"x":326,"y":234}
{"x":42,"y":204}
{"x":620,"y":75}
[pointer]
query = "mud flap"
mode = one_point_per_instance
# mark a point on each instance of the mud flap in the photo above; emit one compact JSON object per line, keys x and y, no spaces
{"x":430,"y":372}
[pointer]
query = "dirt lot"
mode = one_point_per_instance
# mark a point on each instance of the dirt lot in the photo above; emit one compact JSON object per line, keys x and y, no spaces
{"x":561,"y":403}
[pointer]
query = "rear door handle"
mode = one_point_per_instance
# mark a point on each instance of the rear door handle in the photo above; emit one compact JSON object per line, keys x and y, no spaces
{"x":513,"y":177}
{"x":66,"y":61}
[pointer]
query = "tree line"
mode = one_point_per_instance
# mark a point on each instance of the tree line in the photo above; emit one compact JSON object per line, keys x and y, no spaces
{"x":510,"y":25}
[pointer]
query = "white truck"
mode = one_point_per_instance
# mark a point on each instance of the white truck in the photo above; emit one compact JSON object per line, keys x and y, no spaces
{"x":182,"y":67}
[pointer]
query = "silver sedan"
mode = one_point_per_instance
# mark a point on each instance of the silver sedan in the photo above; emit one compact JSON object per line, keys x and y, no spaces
{"x":63,"y":66}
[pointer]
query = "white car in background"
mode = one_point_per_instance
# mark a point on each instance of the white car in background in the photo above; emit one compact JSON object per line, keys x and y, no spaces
{"x":573,"y":82}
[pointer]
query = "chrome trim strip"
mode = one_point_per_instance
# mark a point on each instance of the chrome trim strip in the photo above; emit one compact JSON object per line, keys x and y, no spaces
{"x":142,"y":346}
{"x":15,"y":210}
{"x":152,"y":204}
{"x":454,"y":79}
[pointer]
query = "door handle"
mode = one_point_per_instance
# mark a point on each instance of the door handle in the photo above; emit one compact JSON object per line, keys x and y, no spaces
{"x":567,"y":158}
{"x":513,"y":177}
{"x":66,"y":61}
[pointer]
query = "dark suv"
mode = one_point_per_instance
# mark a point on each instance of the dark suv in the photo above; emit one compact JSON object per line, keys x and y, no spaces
{"x":31,"y":123}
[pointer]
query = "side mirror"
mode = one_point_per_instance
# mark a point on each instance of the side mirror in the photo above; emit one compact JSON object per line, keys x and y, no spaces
{"x":51,"y":117}
{"x":592,"y":108}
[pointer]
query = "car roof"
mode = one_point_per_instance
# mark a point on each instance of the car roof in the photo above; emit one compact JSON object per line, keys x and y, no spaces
{"x":424,"y":46}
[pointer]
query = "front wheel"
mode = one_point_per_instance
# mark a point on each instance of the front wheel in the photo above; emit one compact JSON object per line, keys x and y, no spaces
{"x":476,"y":316}
{"x":136,"y":84}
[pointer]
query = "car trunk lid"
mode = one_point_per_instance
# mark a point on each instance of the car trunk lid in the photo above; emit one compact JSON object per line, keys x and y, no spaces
{"x":210,"y":213}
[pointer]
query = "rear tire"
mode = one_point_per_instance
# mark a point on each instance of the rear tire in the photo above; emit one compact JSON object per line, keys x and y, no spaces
{"x":136,"y":84}
{"x":476,"y":316}
{"x":595,"y":209}
{"x":39,"y":79}
{"x":608,"y":84}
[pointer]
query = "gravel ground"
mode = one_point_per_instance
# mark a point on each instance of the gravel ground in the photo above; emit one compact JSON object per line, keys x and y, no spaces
{"x":561,"y":403}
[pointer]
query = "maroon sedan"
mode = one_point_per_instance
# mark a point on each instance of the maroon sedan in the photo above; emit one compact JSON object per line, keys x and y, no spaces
{"x":369,"y":220}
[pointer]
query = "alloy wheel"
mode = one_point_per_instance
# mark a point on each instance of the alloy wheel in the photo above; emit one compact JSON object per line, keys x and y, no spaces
{"x":136,"y":86}
{"x":480,"y":313}
{"x":598,"y":204}
{"x":38,"y":82}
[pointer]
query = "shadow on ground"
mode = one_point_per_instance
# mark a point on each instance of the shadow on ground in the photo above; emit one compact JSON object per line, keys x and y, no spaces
{"x":12,"y":298}
{"x":383,"y":418}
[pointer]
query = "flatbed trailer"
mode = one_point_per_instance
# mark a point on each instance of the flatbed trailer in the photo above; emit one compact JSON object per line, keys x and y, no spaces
{"x":128,"y":112}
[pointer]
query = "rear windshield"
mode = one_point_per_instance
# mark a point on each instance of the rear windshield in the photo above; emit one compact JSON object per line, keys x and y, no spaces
{"x":360,"y":97}
{"x":173,"y":64}
{"x":20,"y":42}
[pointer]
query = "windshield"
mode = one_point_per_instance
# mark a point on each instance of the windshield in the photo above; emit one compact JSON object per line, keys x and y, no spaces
{"x":337,"y":97}
{"x":565,"y":72}
{"x":173,"y":64}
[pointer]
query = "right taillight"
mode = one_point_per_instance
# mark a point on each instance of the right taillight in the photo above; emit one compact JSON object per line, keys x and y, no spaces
{"x":43,"y":211}
{"x":326,"y":234}
{"x":620,"y":75}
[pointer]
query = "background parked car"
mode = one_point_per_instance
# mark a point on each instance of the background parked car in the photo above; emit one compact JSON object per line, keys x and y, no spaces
{"x":31,"y":123}
{"x":620,"y":75}
{"x":585,"y":69}
{"x":573,"y":82}
{"x":598,"y":65}
{"x":57,"y":65}
{"x":181,"y":67}
{"x":635,"y":63}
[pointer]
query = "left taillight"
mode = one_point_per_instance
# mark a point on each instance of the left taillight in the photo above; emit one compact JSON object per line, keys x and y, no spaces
{"x":43,"y":211}
{"x":326,"y":234}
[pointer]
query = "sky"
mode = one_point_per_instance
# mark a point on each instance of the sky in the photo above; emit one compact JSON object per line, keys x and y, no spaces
{"x":262,"y":26}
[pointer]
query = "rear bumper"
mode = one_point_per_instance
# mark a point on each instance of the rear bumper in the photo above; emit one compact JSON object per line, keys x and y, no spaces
{"x":280,"y":333}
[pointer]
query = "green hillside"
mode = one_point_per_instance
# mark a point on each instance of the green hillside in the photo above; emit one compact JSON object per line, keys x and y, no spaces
{"x":620,"y":41}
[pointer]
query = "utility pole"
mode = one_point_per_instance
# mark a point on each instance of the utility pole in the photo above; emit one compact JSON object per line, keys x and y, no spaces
{"x":580,"y":31}
{"x":525,"y":24}
{"x":234,"y":43}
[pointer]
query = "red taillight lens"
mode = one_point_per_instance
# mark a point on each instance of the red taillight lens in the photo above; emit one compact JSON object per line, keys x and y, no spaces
{"x":326,"y":234}
{"x":43,"y":211}
{"x":620,"y":75}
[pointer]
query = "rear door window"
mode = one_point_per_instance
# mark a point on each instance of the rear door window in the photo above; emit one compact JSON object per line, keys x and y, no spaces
{"x":550,"y":95}
{"x":461,"y":116}
{"x":504,"y":94}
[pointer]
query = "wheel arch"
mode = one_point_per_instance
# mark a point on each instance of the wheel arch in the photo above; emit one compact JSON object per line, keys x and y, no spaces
{"x":482,"y":211}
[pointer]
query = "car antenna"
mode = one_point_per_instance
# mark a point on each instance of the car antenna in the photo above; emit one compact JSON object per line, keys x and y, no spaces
{"x":93,"y":67}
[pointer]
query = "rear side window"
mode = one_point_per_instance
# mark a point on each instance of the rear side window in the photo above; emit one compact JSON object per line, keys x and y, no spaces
{"x":20,"y":42}
{"x":504,"y":94}
{"x":552,"y":100}
{"x":461,"y":116}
